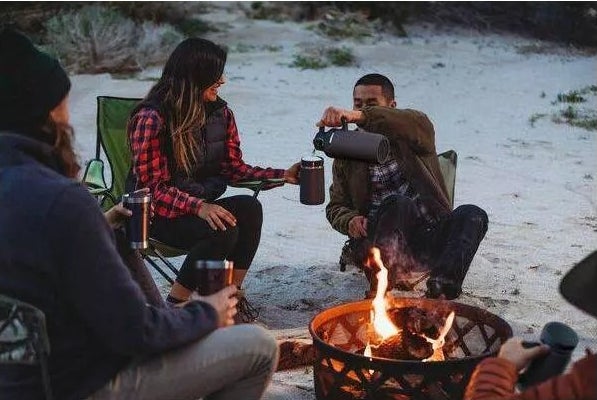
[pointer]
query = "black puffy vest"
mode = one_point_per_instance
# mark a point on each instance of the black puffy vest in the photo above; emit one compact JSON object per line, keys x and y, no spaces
{"x":211,"y":141}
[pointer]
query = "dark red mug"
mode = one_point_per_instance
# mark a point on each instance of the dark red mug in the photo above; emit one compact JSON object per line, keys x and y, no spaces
{"x":213,"y":276}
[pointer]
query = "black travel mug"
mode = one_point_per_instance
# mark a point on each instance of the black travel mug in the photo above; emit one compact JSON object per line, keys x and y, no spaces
{"x":562,"y":341}
{"x":312,"y":181}
{"x":137,"y":226}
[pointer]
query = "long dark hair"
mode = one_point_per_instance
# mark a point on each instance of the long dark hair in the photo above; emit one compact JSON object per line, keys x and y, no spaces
{"x":58,"y":135}
{"x":193,"y":66}
{"x":62,"y":135}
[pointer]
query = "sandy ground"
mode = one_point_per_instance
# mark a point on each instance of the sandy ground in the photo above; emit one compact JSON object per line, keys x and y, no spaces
{"x":537,"y":184}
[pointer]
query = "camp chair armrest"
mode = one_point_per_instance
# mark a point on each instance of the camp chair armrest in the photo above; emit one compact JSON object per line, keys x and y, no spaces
{"x":257,"y":185}
{"x":93,"y":177}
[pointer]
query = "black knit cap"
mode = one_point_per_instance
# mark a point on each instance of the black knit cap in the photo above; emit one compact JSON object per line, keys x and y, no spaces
{"x":32,"y":83}
{"x":579,"y":284}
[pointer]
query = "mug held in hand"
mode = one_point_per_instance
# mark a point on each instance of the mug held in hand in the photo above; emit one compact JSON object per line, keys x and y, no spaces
{"x":312,"y":182}
{"x":213,"y":276}
{"x":137,"y":226}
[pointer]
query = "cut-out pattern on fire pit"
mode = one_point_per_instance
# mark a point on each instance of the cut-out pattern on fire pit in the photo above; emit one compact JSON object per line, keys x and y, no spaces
{"x":342,"y":373}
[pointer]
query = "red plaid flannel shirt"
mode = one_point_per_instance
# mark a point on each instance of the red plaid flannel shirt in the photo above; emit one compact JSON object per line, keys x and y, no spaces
{"x":150,"y":163}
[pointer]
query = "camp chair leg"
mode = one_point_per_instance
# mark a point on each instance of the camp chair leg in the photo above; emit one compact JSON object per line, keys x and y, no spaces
{"x":165,"y":261}
{"x":258,"y":189}
{"x":157,"y":268}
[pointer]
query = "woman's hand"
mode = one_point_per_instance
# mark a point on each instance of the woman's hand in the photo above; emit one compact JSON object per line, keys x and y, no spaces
{"x":224,"y":302}
{"x":514,"y":352}
{"x":216,"y":216}
{"x":332,"y":116}
{"x":291,"y":175}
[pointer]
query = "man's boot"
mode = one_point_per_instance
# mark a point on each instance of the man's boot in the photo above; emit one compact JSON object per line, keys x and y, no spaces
{"x":450,"y":269}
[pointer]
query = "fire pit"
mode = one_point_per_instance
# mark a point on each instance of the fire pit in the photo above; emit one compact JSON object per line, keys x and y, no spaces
{"x":341,"y":371}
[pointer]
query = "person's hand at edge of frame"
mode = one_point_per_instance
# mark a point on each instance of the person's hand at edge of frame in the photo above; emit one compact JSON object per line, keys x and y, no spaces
{"x":514,"y":351}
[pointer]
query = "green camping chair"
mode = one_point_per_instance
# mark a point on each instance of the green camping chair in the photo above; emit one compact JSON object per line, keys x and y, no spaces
{"x":23,"y":337}
{"x":447,"y":165}
{"x":112,"y":118}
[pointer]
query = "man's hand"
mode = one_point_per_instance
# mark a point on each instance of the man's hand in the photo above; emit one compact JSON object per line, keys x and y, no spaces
{"x":291,"y":175}
{"x":357,"y":227}
{"x":216,"y":216}
{"x":514,"y":352}
{"x":224,"y":302}
{"x":332,"y":116}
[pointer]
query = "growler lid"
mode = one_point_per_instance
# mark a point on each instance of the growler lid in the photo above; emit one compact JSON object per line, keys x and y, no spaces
{"x":311,"y":162}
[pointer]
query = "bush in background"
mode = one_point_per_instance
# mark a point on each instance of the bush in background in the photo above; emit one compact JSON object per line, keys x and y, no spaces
{"x":322,"y":57}
{"x":96,"y":39}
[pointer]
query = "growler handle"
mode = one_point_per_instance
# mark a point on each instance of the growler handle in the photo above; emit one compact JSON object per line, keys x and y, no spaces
{"x":344,"y":125}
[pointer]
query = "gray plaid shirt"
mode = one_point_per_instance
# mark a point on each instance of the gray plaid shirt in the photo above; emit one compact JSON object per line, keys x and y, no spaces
{"x":387,"y":180}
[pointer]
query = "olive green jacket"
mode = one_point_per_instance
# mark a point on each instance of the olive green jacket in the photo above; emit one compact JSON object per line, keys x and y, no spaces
{"x":412,"y":142}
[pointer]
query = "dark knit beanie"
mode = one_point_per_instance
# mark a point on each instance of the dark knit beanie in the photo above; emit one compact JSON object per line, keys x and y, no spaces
{"x":32,"y":83}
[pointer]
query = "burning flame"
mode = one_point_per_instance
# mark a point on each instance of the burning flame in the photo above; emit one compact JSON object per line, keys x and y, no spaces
{"x":381,"y":321}
{"x":438,"y":344}
{"x":383,"y":326}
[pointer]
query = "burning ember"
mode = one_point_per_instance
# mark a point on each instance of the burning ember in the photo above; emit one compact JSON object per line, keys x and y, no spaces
{"x":422,"y":334}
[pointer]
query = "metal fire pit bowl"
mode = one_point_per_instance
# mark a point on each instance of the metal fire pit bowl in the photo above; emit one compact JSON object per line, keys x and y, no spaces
{"x":342,"y":374}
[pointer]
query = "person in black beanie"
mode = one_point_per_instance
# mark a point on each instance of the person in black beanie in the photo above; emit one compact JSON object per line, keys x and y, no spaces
{"x":58,"y":253}
{"x":31,"y":83}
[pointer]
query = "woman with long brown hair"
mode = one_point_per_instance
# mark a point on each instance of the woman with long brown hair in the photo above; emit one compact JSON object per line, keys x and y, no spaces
{"x":186,"y":149}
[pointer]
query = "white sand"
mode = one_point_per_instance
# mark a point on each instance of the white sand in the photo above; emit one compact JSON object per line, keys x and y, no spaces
{"x":537,"y":184}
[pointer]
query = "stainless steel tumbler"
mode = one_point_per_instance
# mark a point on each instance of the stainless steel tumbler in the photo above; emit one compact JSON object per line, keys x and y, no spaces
{"x":137,"y":227}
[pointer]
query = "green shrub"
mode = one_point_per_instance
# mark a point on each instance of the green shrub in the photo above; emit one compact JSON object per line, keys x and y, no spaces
{"x":574,"y":114}
{"x":341,"y":57}
{"x":535,"y":117}
{"x":195,"y":27}
{"x":322,"y":57}
{"x":96,"y":39}
{"x":308,"y":62}
{"x":344,"y":25}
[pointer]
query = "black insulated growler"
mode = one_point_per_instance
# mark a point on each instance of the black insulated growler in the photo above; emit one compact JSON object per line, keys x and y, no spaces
{"x":562,"y":341}
{"x":357,"y":145}
{"x":312,"y":181}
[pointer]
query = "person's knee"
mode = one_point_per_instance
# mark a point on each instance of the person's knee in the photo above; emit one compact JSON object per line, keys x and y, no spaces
{"x":226,"y":239}
{"x":473,"y":214}
{"x":249,"y":209}
{"x":260,"y":343}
